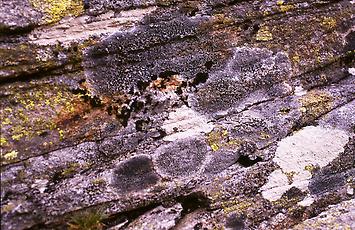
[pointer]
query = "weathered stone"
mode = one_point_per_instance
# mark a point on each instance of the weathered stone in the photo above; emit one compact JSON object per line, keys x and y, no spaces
{"x":160,"y":114}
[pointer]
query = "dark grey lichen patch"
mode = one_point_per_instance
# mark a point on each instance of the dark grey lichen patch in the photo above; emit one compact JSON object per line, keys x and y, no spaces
{"x":326,"y":183}
{"x":221,"y":160}
{"x":18,"y":16}
{"x":249,"y":70}
{"x":182,"y":158}
{"x":98,"y":6}
{"x":135,"y":174}
{"x":120,"y":61}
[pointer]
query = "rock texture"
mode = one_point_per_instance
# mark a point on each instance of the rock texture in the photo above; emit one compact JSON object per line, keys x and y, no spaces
{"x":174,"y":114}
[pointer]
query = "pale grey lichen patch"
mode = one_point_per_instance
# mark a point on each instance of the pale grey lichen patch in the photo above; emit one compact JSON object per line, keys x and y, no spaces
{"x":81,"y":28}
{"x":185,"y":122}
{"x":298,"y":154}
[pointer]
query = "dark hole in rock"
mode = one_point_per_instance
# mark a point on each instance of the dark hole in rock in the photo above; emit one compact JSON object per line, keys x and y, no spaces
{"x":179,"y":90}
{"x":135,"y":174}
{"x":200,"y":78}
{"x":81,"y":81}
{"x":154,"y":77}
{"x":137,"y":106}
{"x":159,"y":134}
{"x":198,"y":226}
{"x":109,"y":110}
{"x":349,"y":57}
{"x":43,"y":134}
{"x":55,"y":53}
{"x":141,"y":125}
{"x":95,"y":102}
{"x":124,"y":115}
{"x":131,"y":90}
{"x":193,"y":202}
{"x":167,"y":74}
{"x":247,"y":162}
{"x":293,"y":193}
{"x":246,"y":24}
{"x":256,"y":27}
{"x":193,"y":12}
{"x":235,"y":222}
{"x":233,"y":2}
{"x":84,"y":94}
{"x":148,"y":99}
{"x":127,"y":217}
{"x":78,"y":90}
{"x":297,"y":213}
{"x":142,"y":85}
{"x":86,"y":4}
{"x":209,"y":65}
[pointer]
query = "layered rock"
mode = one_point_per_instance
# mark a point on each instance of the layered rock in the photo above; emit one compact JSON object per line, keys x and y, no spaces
{"x":177,"y":114}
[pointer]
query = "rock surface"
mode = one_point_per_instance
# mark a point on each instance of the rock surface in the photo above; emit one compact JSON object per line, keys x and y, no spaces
{"x":174,"y":114}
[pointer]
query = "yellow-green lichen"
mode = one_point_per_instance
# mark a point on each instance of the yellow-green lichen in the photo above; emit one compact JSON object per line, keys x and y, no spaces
{"x":236,"y":205}
{"x":12,"y":155}
{"x":279,"y":3}
{"x":311,"y":168}
{"x":286,"y":7}
{"x":328,"y":22}
{"x":98,"y":181}
{"x":55,"y":10}
{"x":264,"y":34}
{"x":296,"y":59}
{"x":71,"y":169}
{"x":219,"y":138}
{"x":284,"y":110}
{"x":3,"y":141}
{"x":61,"y":134}
{"x":315,"y":104}
{"x":46,"y":102}
{"x":290,"y":176}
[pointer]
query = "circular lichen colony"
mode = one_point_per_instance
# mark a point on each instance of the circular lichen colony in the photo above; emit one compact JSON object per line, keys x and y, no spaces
{"x":181,"y":158}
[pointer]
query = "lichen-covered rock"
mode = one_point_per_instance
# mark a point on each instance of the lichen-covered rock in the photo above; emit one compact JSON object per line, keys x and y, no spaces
{"x":160,"y":114}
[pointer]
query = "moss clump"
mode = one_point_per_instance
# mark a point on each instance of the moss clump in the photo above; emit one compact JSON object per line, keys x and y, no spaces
{"x":88,"y":220}
{"x":72,"y":169}
{"x":55,"y":10}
